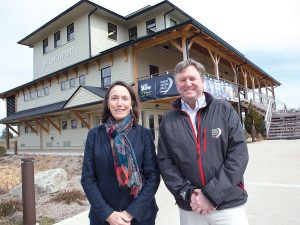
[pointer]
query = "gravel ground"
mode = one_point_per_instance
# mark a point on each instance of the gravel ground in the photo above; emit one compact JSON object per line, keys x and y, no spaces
{"x":10,"y":176}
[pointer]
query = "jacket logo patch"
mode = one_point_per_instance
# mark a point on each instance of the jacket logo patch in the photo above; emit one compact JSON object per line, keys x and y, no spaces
{"x":216,"y":133}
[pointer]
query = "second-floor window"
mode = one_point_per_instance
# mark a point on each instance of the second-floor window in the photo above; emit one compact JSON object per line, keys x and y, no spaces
{"x":81,"y":79}
{"x":106,"y":77}
{"x":63,"y":85}
{"x":154,"y":70}
{"x":72,"y":82}
{"x":57,"y":41}
{"x":70,"y":32}
{"x":151,"y":26}
{"x":45,"y":46}
{"x":112,"y":31}
{"x":132,"y":32}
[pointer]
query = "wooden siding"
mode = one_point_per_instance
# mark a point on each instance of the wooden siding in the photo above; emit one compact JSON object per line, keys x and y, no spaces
{"x":73,"y":51}
{"x":83,"y":96}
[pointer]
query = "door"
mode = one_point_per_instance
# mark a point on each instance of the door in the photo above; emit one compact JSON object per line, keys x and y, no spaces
{"x":151,"y":120}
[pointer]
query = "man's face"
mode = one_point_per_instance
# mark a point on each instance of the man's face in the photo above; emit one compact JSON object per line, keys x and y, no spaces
{"x":189,"y":85}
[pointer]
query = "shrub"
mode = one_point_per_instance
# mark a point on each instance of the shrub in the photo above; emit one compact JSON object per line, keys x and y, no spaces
{"x":46,"y":221}
{"x":70,"y":196}
{"x":259,"y":123}
{"x":2,"y":151}
{"x":9,"y":207}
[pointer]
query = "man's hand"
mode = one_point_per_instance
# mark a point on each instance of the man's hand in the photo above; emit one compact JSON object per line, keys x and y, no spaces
{"x":119,"y":218}
{"x":199,"y":203}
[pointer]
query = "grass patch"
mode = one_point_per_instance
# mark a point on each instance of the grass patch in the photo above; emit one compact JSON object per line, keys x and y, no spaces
{"x":46,"y":221}
{"x":9,"y":207}
{"x":69,"y":196}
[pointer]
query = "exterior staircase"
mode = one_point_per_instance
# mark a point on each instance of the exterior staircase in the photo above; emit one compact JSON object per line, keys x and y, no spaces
{"x":284,"y":126}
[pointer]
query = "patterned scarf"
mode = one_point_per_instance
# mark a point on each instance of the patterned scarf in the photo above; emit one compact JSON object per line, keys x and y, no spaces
{"x":126,"y":166}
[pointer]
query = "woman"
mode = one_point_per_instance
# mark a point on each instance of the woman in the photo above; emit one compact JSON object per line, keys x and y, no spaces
{"x":120,"y":174}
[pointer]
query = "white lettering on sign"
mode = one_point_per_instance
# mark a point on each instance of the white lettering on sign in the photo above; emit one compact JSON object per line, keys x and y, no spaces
{"x":58,"y":57}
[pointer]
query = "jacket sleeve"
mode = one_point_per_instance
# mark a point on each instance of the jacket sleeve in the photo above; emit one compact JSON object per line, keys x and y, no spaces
{"x":180,"y":187}
{"x":235,"y":161}
{"x":89,"y":182}
{"x":151,"y":176}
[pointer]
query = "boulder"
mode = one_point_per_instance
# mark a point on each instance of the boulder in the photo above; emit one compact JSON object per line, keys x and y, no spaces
{"x":46,"y":182}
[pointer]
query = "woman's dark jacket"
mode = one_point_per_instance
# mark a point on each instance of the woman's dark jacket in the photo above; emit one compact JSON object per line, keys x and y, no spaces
{"x":99,"y":179}
{"x":213,"y":161}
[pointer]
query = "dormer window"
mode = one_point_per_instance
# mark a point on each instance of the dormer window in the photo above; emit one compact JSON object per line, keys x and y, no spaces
{"x":70,"y":32}
{"x":112,"y":31}
{"x":151,"y":26}
{"x":57,"y":41}
{"x":45,"y":46}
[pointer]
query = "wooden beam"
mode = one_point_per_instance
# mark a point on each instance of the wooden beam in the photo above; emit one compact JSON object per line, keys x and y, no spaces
{"x":49,"y":80}
{"x":82,"y":120}
{"x":98,"y":63}
{"x":31,"y":127}
{"x":54,"y":125}
{"x":216,"y":59}
{"x":42,"y":126}
{"x":86,"y":67}
{"x":176,"y":45}
{"x":16,"y":132}
{"x":111,"y":59}
{"x":184,"y":48}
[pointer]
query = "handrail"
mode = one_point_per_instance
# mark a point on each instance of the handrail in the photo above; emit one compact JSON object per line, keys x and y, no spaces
{"x":268,"y":116}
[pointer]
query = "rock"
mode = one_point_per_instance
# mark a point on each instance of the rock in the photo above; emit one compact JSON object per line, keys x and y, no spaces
{"x":51,"y":181}
{"x":46,"y":182}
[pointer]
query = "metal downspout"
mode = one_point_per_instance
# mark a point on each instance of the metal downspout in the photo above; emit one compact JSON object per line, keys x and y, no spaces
{"x":89,"y":27}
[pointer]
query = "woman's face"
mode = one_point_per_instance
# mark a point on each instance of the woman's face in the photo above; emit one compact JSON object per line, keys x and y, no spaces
{"x":119,"y":102}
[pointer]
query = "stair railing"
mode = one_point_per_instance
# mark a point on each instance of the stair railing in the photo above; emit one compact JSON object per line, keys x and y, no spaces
{"x":268,"y":116}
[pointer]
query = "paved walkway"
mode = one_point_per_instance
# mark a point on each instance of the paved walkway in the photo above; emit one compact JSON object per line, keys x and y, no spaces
{"x":272,"y":180}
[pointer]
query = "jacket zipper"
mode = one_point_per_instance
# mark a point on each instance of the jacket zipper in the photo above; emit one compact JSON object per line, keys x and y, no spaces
{"x":204,"y":140}
{"x":199,"y":151}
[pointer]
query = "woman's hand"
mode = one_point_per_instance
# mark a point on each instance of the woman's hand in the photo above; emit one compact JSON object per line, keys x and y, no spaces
{"x":119,"y":218}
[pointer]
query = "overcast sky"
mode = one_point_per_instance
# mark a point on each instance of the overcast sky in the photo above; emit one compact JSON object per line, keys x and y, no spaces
{"x":266,"y":31}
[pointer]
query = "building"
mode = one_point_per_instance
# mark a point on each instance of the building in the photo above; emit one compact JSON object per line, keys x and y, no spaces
{"x":80,"y":52}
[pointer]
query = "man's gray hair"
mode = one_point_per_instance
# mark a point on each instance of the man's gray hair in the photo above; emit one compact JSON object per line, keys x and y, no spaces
{"x":190,"y":62}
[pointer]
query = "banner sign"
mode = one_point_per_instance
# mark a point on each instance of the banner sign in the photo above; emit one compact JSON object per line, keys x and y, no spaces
{"x":164,"y":86}
{"x":157,"y":87}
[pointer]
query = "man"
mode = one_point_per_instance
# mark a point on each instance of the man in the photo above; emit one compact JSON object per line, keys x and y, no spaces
{"x":202,"y":153}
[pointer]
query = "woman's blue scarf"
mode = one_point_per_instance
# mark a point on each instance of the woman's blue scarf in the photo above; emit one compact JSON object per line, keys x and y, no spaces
{"x":126,"y":166}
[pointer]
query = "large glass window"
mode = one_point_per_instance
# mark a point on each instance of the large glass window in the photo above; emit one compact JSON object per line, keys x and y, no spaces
{"x":63,"y":85}
{"x":57,"y":41}
{"x":64,"y":124}
{"x":112,"y":31}
{"x":151,"y":26}
{"x":132,"y":32}
{"x":106,"y":77}
{"x":45,"y":46}
{"x":70,"y":32}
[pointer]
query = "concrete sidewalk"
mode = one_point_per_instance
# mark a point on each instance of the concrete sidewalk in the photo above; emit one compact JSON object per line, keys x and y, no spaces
{"x":272,"y":180}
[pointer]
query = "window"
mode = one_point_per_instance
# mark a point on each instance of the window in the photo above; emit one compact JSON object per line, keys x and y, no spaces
{"x":81,"y":79}
{"x":112,"y":31}
{"x":151,"y":26}
{"x":172,"y":22}
{"x":74,"y":124}
{"x":106,"y":77}
{"x":72,"y":82}
{"x":33,"y":95}
{"x":26,"y":129}
{"x":153,"y":70}
{"x":26,"y":97}
{"x":83,"y":124}
{"x":63,"y":85}
{"x":46,"y":91}
{"x":45,"y":46}
{"x":70,"y":32}
{"x":39,"y":93}
{"x":132,"y":32}
{"x":57,"y":39}
{"x":64,"y":124}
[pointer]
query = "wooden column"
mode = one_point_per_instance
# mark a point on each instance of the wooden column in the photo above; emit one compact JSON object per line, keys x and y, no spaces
{"x":245,"y":83}
{"x":7,"y":136}
{"x":184,"y":48}
{"x":135,"y":70}
{"x":216,"y":59}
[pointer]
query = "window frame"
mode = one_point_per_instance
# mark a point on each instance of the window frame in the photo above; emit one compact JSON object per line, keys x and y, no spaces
{"x":131,"y":35}
{"x":70,"y":32}
{"x":64,"y":124}
{"x":63,"y":85}
{"x":80,"y":80}
{"x":45,"y":46}
{"x":73,"y":123}
{"x":103,"y":78}
{"x":150,"y":24}
{"x":153,"y":70}
{"x":112,"y":31}
{"x":72,"y":83}
{"x":57,"y":40}
{"x":173,"y":22}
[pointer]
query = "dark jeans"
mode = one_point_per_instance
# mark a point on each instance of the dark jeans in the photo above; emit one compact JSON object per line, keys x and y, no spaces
{"x":150,"y":221}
